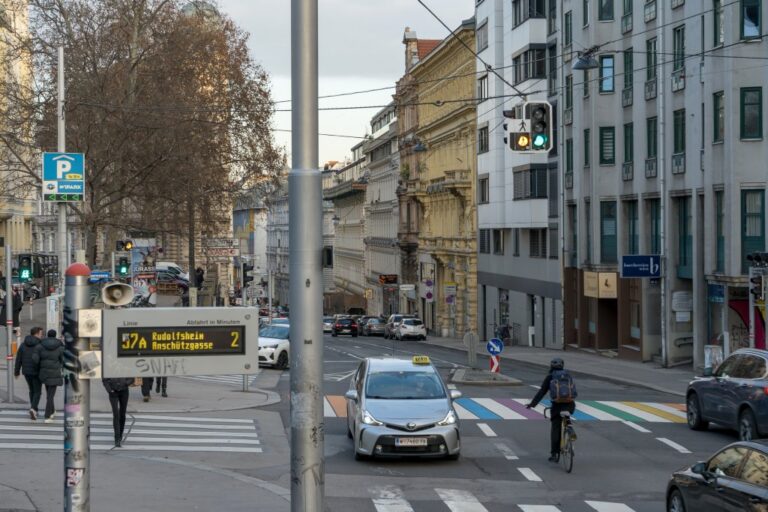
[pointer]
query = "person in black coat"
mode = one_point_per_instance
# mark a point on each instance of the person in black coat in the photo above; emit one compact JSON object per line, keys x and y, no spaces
{"x":118,"y":400}
{"x":50,"y":352}
{"x":28,"y":363}
{"x":17,"y":304}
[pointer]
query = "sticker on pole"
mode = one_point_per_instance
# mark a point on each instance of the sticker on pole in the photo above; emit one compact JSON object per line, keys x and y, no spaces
{"x":495,"y":346}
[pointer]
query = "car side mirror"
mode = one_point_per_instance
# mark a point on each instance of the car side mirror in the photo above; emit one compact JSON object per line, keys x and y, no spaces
{"x":351,"y":395}
{"x":455,"y":394}
{"x":700,"y":468}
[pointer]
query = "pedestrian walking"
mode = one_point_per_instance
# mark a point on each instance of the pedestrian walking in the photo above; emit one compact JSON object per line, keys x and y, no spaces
{"x":28,"y":363}
{"x":162,"y":382}
{"x":146,"y":388}
{"x":17,"y":304}
{"x":199,"y":277}
{"x":50,"y":353}
{"x":117,"y":389}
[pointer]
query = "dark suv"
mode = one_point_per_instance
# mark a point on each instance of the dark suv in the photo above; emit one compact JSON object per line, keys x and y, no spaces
{"x":735,"y":397}
{"x":345,"y":326}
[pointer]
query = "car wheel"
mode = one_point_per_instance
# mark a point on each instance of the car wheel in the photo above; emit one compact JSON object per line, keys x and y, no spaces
{"x":333,"y":334}
{"x":693,"y":413}
{"x":747,"y":426}
{"x":675,"y":502}
{"x":360,"y":456}
{"x":282,"y":361}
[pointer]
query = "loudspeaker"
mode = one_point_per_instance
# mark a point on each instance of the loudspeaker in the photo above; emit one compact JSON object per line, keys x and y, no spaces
{"x":117,"y":294}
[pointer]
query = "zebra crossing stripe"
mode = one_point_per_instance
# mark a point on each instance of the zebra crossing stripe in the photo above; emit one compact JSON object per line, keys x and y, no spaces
{"x":637,"y":412}
{"x":478,"y":410}
{"x":597,"y":413}
{"x":604,"y":506}
{"x":671,"y":410}
{"x":539,"y":508}
{"x":674,"y":418}
{"x":339,"y":405}
{"x":390,"y":499}
{"x":498,"y":409}
{"x":612,"y":410}
{"x":460,"y":501}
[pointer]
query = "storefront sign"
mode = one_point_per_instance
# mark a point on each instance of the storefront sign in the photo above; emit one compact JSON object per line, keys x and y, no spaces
{"x":607,"y":288}
{"x":590,"y":284}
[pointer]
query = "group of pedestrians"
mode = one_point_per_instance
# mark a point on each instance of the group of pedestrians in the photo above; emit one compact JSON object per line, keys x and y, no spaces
{"x":41,"y":361}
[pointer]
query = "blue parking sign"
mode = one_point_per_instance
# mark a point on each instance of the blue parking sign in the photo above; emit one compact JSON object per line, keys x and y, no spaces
{"x":63,"y":176}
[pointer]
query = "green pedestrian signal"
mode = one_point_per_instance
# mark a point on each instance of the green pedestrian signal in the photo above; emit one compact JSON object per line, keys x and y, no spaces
{"x":25,"y":268}
{"x":122,"y":267}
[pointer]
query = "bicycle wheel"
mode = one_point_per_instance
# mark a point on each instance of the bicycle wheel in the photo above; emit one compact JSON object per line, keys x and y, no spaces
{"x":566,"y":457}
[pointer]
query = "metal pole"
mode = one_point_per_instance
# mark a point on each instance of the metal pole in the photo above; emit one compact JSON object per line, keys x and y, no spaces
{"x":9,"y":322}
{"x":242,"y":299}
{"x":306,"y":283}
{"x":661,"y":158}
{"x":269,"y":296}
{"x":77,"y":397}
{"x":751,"y":309}
{"x":62,"y":207}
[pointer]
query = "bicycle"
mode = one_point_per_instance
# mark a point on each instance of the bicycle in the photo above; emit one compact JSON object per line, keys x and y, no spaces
{"x":567,"y":438}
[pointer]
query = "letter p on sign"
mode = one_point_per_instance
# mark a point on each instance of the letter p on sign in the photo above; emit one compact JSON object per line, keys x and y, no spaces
{"x":63,"y":167}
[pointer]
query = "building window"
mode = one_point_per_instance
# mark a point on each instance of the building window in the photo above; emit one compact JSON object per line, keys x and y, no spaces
{"x":516,"y":242}
{"x":482,"y":88}
{"x":327,"y":257}
{"x":482,"y":140}
{"x":678,"y":47}
{"x":574,"y":222}
{"x":751,"y":19}
{"x":684,"y":239}
{"x":568,"y":22}
{"x":752,"y":224}
{"x":719,"y":22}
{"x":538,"y":243}
{"x":522,"y":10}
{"x":569,"y":91}
{"x":517,"y":69}
{"x":585,"y":12}
{"x":605,"y":13}
{"x":552,"y":75}
{"x":554,"y":242}
{"x":482,"y":36}
{"x":483,"y":190}
{"x":608,"y":232}
{"x":568,"y":155}
{"x":588,"y":229}
{"x":627,"y":7}
{"x":530,"y":64}
{"x":651,"y":137}
{"x":633,"y":237}
{"x":678,"y":131}
{"x":751,"y":106}
{"x":719,"y":232}
{"x":629,"y":142}
{"x":587,"y":143}
{"x":654,"y":211}
{"x":628,"y":68}
{"x":607,"y":145}
{"x":552,"y":17}
{"x":485,"y":241}
{"x":498,"y":241}
{"x":517,"y":11}
{"x":530,"y":184}
{"x":650,"y":59}
{"x":718,"y":108}
{"x":606,"y":73}
{"x":586,"y":83}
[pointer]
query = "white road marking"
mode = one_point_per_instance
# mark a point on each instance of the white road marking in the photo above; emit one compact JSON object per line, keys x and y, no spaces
{"x":606,"y":506}
{"x":128,"y":446}
{"x":451,"y":386}
{"x":534,"y":387}
{"x":390,"y":499}
{"x":184,"y":419}
{"x":506,"y":451}
{"x":539,"y":408}
{"x":539,"y":508}
{"x":637,"y":412}
{"x":679,"y":448}
{"x":460,"y":501}
{"x":636,"y":427}
{"x":328,"y":411}
{"x":666,"y":408}
{"x":488,"y":431}
{"x":596,"y":413}
{"x":497,"y":408}
{"x":529,"y":474}
{"x":463,"y":413}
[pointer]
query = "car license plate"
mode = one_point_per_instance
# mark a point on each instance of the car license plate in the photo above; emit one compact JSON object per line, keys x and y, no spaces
{"x":411,"y":441}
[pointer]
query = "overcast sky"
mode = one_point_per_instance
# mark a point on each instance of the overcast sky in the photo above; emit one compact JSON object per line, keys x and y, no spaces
{"x":360,"y":48}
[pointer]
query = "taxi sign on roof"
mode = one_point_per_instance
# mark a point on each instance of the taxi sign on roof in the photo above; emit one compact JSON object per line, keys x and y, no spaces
{"x":420,"y":360}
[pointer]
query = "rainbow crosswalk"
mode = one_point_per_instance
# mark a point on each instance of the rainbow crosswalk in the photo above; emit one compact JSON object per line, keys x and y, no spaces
{"x":514,"y":409}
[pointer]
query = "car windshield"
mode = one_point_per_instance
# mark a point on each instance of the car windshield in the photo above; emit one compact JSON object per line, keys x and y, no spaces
{"x":274,"y":331}
{"x":374,"y":321}
{"x":328,"y":319}
{"x":408,"y":321}
{"x":393,"y":385}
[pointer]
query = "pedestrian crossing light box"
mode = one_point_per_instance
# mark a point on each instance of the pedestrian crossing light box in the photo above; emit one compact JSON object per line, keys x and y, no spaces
{"x":163,"y":342}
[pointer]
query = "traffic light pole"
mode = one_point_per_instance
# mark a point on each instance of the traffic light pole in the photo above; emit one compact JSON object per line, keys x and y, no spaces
{"x":62,"y":206}
{"x":9,"y":322}
{"x":751,"y":309}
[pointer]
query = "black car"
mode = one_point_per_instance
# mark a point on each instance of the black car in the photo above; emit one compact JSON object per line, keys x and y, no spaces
{"x":734,"y":480}
{"x":736,"y":396}
{"x":345,"y":326}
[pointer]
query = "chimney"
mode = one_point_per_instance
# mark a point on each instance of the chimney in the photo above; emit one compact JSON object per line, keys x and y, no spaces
{"x":411,"y":48}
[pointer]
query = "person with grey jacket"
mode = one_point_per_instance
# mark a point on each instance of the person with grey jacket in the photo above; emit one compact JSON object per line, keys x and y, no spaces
{"x":50,"y":353}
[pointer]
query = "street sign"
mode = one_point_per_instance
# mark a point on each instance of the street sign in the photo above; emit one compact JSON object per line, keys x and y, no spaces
{"x":641,"y":265}
{"x":63,"y":176}
{"x":227,"y":243}
{"x":407,"y":287}
{"x":495,"y":346}
{"x":495,"y":364}
{"x":222,"y":252}
{"x":99,"y":275}
{"x":160,"y":342}
{"x":449,"y":288}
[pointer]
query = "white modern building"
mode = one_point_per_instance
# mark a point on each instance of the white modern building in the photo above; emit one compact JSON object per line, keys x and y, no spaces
{"x":518,"y":241}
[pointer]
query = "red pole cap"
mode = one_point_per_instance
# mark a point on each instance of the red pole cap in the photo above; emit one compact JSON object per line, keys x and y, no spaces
{"x":78,"y":269}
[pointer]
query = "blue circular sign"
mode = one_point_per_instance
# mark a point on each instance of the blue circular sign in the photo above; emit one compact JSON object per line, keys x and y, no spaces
{"x":494,"y":346}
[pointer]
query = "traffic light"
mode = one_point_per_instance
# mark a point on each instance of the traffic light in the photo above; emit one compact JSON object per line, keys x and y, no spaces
{"x":520,"y":141}
{"x":122,"y":267}
{"x":539,"y":114}
{"x":25,"y":268}
{"x":246,"y":269}
{"x":756,"y":287}
{"x":124,"y":245}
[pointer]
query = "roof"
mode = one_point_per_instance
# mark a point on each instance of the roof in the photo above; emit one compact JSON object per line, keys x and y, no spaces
{"x":424,"y":46}
{"x":391,"y":363}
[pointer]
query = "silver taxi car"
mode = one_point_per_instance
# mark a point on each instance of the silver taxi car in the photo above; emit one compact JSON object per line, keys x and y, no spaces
{"x":401,"y":407}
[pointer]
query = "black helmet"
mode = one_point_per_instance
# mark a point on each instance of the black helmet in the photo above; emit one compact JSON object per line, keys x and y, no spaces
{"x":557,"y":364}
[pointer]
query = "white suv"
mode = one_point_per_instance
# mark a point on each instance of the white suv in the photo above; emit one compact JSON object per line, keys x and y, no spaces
{"x":390,"y":328}
{"x":411,"y":328}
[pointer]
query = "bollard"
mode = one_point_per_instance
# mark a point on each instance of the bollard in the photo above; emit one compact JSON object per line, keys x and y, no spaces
{"x":77,"y":395}
{"x":245,"y":383}
{"x":470,"y":341}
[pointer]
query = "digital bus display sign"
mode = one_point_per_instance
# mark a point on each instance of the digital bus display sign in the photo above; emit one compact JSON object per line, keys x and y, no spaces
{"x":163,"y":341}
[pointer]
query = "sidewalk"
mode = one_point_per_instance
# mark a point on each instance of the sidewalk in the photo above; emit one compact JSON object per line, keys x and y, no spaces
{"x":648,"y":375}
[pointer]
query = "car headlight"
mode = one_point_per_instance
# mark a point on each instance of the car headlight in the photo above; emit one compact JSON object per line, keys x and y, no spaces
{"x":370,"y":420}
{"x":269,"y":347}
{"x":450,"y":419}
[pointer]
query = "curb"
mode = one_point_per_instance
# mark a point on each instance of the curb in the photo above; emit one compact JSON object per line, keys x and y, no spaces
{"x":503,"y":380}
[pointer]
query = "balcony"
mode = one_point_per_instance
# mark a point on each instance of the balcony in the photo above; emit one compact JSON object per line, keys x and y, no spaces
{"x":626,"y":97}
{"x":650,"y":89}
{"x":649,"y":12}
{"x":626,"y":23}
{"x":568,"y":116}
{"x":628,"y":171}
{"x":678,"y":79}
{"x":650,"y":168}
{"x":456,"y":181}
{"x":678,"y":163}
{"x":568,"y":180}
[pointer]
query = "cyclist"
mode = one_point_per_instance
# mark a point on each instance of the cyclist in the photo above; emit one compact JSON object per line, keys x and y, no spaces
{"x":561,"y":401}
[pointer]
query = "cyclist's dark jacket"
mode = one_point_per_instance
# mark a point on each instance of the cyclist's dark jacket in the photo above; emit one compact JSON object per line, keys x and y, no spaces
{"x":543,"y":391}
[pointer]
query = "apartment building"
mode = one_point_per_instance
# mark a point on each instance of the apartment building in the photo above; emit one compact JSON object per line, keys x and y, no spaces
{"x":664,"y":154}
{"x":517,"y":194}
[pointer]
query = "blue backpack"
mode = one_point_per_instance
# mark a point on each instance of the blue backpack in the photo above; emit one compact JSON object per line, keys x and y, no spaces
{"x":562,"y":389}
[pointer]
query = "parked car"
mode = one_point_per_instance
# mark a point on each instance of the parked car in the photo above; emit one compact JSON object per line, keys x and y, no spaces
{"x":274,"y":345}
{"x":401,"y":407}
{"x":327,"y":324}
{"x":736,"y":396}
{"x":411,"y":328}
{"x":735,"y":479}
{"x":345,"y":326}
{"x":373,"y":327}
{"x":391,"y":326}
